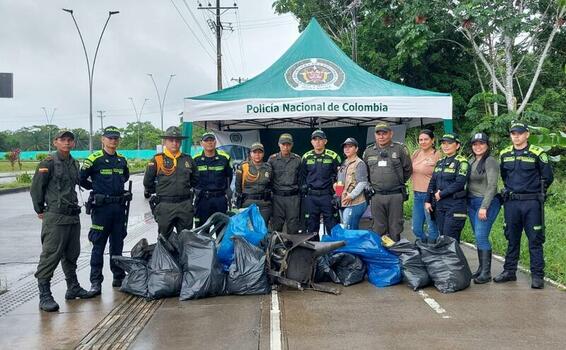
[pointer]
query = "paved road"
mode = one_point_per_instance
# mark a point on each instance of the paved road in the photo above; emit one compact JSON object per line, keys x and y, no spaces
{"x":490,"y":316}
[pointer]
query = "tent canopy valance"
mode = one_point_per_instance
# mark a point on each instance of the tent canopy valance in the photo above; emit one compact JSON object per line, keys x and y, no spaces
{"x":314,"y":84}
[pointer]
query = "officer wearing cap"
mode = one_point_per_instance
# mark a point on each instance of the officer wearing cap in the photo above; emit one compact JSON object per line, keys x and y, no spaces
{"x":105,"y":172}
{"x":447,"y":188}
{"x":55,"y":201}
{"x":171,"y":176}
{"x":390,"y":167}
{"x":526,"y":176}
{"x":319,"y":168}
{"x":215,"y":175}
{"x":253,"y":182}
{"x":286,"y":199}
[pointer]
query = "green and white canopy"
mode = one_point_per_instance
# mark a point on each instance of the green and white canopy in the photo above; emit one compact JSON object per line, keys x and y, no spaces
{"x":314,"y":84}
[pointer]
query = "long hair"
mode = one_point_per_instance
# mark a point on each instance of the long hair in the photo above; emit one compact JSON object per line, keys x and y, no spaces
{"x":428,"y":133}
{"x":481,"y":163}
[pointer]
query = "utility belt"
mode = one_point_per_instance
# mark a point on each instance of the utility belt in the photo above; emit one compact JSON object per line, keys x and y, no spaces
{"x":457,"y":195}
{"x":385,"y":193}
{"x":523,"y":196}
{"x":212,"y":194}
{"x":286,"y":193}
{"x":71,"y":211}
{"x":172,"y":199}
{"x":266,"y":196}
{"x":321,"y":192}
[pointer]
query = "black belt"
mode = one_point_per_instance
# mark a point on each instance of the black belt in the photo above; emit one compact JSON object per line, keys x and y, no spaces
{"x":323,"y":192}
{"x":173,"y":199}
{"x":71,"y":211}
{"x":523,"y":196}
{"x":385,"y":193}
{"x":209,"y":194}
{"x":286,"y":193}
{"x":254,"y":196}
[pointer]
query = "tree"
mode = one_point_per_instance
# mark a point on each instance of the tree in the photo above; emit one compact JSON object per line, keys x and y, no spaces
{"x":144,"y":132}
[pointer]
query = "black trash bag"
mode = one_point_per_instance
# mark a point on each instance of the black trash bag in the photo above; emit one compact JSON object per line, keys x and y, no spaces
{"x":165,"y":274}
{"x":175,"y":245}
{"x":446,"y":264}
{"x":248,"y":273}
{"x":412,"y":266}
{"x":342,"y":268}
{"x":202,"y":272}
{"x":142,"y":250}
{"x":135,"y":281}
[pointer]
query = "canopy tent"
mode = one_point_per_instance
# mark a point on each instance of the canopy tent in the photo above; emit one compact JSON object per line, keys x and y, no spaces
{"x":314,"y":84}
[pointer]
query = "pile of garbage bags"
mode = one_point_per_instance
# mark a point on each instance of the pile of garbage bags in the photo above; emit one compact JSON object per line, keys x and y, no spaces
{"x":441,"y":262}
{"x":194,"y":264}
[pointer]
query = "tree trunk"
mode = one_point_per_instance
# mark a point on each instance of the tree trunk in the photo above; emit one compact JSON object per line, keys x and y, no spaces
{"x":509,"y":94}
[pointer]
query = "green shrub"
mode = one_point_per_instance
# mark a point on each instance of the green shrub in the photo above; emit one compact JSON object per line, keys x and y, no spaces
{"x":41,"y":156}
{"x":23,"y":178}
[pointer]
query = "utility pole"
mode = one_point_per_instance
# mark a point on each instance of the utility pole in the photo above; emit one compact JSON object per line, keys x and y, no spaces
{"x":138,"y":117}
{"x":218,"y":27}
{"x":353,"y":9}
{"x":101,"y":116}
{"x":49,"y":121}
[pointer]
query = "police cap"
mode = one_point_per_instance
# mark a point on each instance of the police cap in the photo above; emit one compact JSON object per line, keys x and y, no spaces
{"x":519,"y":127}
{"x":450,"y":137}
{"x":257,"y":146}
{"x":318,"y":133}
{"x":64,"y":133}
{"x":382,"y":126}
{"x":208,"y":136}
{"x":111,"y":132}
{"x":286,"y":138}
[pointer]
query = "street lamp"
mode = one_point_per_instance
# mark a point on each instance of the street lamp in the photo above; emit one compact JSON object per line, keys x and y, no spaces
{"x":90,"y":69}
{"x":49,"y":121}
{"x":138,"y":116}
{"x":161,"y":103}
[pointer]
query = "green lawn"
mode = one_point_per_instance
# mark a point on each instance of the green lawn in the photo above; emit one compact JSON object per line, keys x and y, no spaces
{"x":5,"y":166}
{"x":13,"y":184}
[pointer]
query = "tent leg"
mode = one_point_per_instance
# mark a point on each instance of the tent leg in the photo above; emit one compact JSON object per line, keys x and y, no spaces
{"x":448,"y":125}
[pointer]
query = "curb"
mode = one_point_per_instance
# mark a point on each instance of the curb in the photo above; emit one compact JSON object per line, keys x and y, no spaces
{"x":15,"y":190}
{"x":519,"y":267}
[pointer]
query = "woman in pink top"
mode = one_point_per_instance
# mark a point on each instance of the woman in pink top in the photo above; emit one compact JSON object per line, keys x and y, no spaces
{"x":424,"y":159}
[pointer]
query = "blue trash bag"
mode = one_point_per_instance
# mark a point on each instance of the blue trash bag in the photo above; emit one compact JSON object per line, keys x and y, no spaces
{"x":248,"y":224}
{"x":384,"y":267}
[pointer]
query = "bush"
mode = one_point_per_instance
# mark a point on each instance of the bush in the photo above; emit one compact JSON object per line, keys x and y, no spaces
{"x":41,"y":156}
{"x":23,"y":178}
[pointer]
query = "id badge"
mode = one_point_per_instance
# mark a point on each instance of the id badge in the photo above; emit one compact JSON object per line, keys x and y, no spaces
{"x":382,"y":163}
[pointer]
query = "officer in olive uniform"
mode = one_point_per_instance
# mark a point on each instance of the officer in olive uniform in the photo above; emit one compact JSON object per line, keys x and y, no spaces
{"x":447,"y":188}
{"x":317,"y":174}
{"x":526,"y":176}
{"x":215,"y":175}
{"x":253,"y":182}
{"x":390,"y":168}
{"x":172,"y":176}
{"x":55,"y":201}
{"x":286,"y":199}
{"x":105,"y":172}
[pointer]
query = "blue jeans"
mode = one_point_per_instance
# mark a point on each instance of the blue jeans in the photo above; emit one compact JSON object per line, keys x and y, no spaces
{"x":482,"y":228}
{"x":419,"y":217}
{"x":351,"y":216}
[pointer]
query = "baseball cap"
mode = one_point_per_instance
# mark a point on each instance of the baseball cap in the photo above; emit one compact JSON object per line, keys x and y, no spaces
{"x":519,"y":127}
{"x":318,"y":133}
{"x":480,"y":137}
{"x":286,"y":138}
{"x":111,"y":132}
{"x":350,"y":141}
{"x":63,"y":133}
{"x":208,"y":135}
{"x":382,"y":126}
{"x":256,"y":146}
{"x":450,"y":137}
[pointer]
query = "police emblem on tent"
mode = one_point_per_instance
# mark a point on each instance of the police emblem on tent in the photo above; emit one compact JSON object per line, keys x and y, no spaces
{"x":315,"y":74}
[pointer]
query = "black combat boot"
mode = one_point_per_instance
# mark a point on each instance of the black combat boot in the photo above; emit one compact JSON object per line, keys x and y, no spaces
{"x":477,"y":273}
{"x":95,"y":289}
{"x":537,"y":282}
{"x":505,"y":276}
{"x":484,"y":275}
{"x":74,"y":289}
{"x":46,"y":301}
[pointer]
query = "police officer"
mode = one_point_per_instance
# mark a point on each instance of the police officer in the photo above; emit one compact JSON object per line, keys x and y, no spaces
{"x":286,"y":199}
{"x":526,"y":176}
{"x":56,"y":204}
{"x":390,"y":167}
{"x":105,"y":172}
{"x":319,"y":168}
{"x":215,"y":175}
{"x":253,"y":182}
{"x":171,"y":175}
{"x":447,"y":188}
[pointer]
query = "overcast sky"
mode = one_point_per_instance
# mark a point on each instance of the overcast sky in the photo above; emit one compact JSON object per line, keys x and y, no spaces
{"x":40,"y":45}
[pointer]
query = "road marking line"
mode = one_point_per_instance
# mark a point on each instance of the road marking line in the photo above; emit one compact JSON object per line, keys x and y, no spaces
{"x":433,"y":304}
{"x":275,"y":336}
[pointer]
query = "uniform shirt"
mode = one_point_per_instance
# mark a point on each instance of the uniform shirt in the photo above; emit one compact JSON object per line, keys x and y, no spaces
{"x":285,"y":171}
{"x":107,"y":173}
{"x":54,"y":182}
{"x":522,"y":170}
{"x":389,"y":167}
{"x":215,"y":173}
{"x":450,"y":176}
{"x":319,"y":171}
{"x":256,"y":181}
{"x":170,"y":181}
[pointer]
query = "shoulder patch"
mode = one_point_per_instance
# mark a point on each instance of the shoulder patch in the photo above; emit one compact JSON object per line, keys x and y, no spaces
{"x":199,"y":154}
{"x":94,"y":156}
{"x":42,"y":170}
{"x":536,"y":150}
{"x":330,"y":153}
{"x":461,"y":158}
{"x":308,"y":154}
{"x":222,"y":153}
{"x":543,"y":157}
{"x":273,"y":156}
{"x":506,"y":150}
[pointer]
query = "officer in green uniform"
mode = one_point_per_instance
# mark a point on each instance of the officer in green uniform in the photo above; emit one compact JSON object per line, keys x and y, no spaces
{"x":253,"y":182}
{"x":286,"y":198}
{"x":390,"y":167}
{"x":105,"y":172}
{"x":171,"y":176}
{"x":55,"y":202}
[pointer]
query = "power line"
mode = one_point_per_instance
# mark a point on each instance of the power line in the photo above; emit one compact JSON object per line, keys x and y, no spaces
{"x":191,"y":30}
{"x":241,"y":44}
{"x":205,"y":36}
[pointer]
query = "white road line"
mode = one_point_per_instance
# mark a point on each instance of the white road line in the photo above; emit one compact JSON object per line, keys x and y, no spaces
{"x":433,"y":304}
{"x":275,"y":337}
